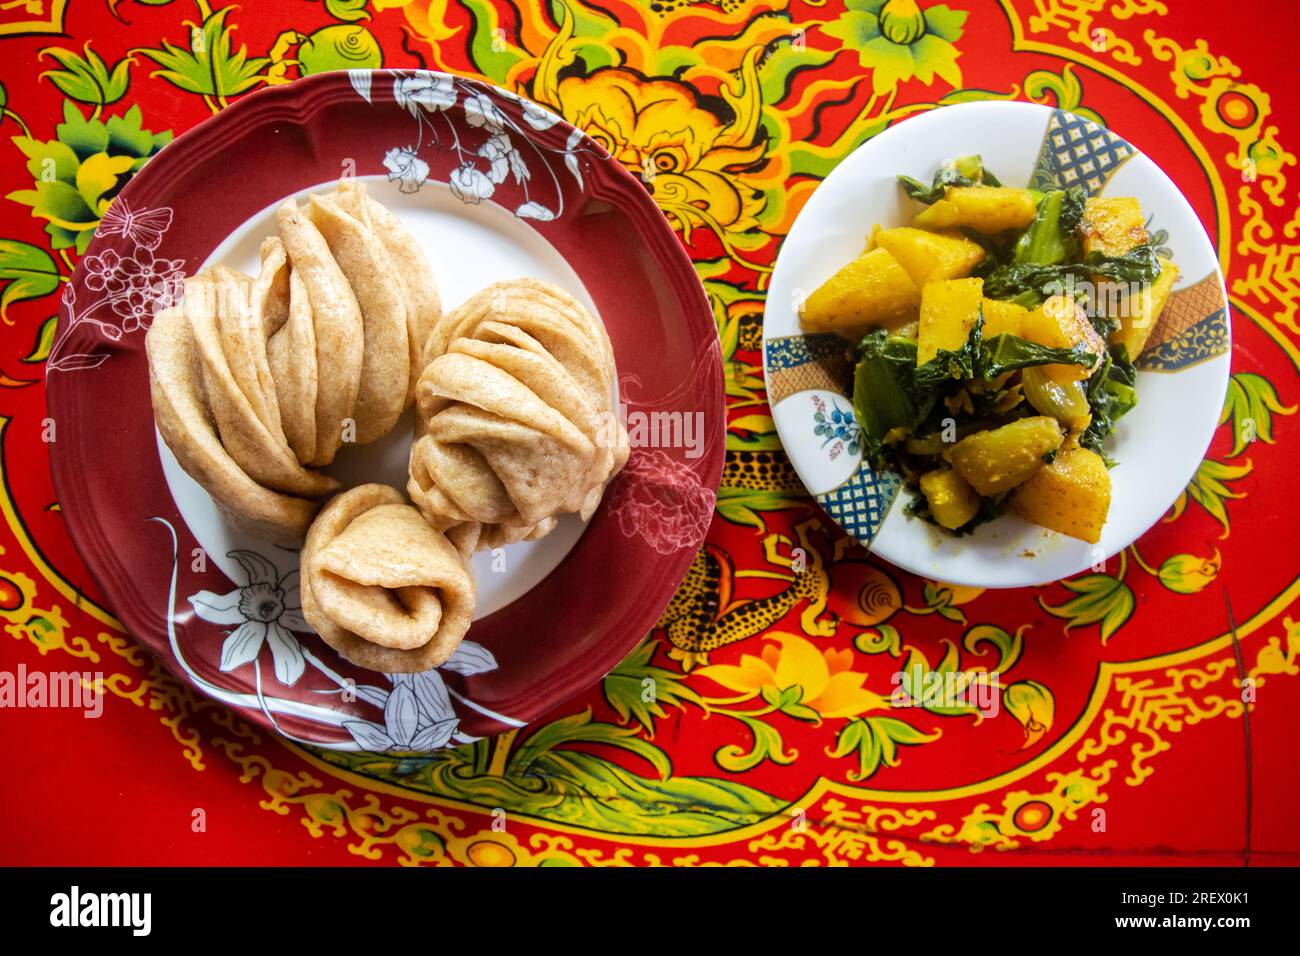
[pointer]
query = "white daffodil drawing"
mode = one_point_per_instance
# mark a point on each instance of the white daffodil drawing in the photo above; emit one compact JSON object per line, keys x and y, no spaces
{"x":418,"y":716}
{"x":266,"y":610}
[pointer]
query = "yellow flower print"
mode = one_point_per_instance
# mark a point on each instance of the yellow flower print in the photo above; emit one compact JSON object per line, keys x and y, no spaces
{"x":1188,"y":574}
{"x":797,"y":678}
{"x":697,"y":165}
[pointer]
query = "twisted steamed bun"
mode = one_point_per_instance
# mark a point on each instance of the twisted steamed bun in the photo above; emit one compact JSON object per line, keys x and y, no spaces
{"x":256,"y":382}
{"x":516,"y":416}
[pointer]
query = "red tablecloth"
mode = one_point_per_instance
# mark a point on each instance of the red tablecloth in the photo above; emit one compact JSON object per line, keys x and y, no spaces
{"x":1155,"y":699}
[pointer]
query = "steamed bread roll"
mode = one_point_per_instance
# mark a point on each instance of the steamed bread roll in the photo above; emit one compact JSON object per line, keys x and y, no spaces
{"x":262,"y":379}
{"x":243,"y":337}
{"x":336,"y":323}
{"x":232,"y":350}
{"x":517,"y":422}
{"x":381,"y":586}
{"x":271,"y":288}
{"x":385,"y":363}
{"x":412,"y":270}
{"x":291,"y":353}
{"x":176,"y":386}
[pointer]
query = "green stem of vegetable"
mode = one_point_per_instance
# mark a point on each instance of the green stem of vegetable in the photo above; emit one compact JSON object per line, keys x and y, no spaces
{"x":1042,"y":243}
{"x":1067,"y":403}
{"x":883,"y":385}
{"x":1050,"y":239}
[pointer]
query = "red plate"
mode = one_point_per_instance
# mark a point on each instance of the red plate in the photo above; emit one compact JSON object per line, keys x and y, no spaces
{"x":419,"y":130}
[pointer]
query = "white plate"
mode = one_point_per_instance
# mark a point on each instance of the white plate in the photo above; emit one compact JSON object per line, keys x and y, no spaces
{"x":1181,"y":381}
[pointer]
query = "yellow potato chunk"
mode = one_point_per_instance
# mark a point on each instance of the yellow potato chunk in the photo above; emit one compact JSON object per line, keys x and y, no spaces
{"x":1112,"y":225}
{"x":930,"y":256}
{"x":986,"y":209}
{"x":1139,"y":313}
{"x":949,"y":310}
{"x":952,"y":501}
{"x":1061,"y":323}
{"x":871,"y":290}
{"x":997,"y":460}
{"x":1071,"y":495}
{"x":1003,"y":318}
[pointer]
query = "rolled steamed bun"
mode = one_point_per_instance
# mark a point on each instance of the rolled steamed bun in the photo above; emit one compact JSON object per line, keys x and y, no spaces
{"x":517,"y":423}
{"x":381,"y":586}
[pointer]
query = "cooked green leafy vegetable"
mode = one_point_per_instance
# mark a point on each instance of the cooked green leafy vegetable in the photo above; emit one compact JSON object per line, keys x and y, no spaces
{"x":890,"y":391}
{"x":1029,"y":283}
{"x":1112,"y":393}
{"x":966,"y":171}
{"x":955,"y":365}
{"x":1004,"y":421}
{"x":885,"y":395}
{"x":1051,"y":240}
{"x":1008,"y":353}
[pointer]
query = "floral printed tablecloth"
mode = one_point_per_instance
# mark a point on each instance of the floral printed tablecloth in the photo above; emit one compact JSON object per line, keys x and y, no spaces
{"x":1149,"y":706}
